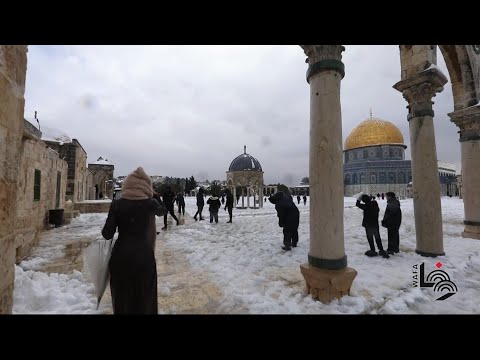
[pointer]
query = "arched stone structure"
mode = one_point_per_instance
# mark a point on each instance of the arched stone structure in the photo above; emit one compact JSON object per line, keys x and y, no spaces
{"x":245,"y":171}
{"x":420,"y":81}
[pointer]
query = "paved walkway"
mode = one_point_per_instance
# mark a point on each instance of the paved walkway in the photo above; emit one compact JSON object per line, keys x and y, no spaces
{"x":181,"y":290}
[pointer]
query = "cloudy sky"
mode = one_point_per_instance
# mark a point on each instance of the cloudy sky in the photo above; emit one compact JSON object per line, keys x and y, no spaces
{"x":188,"y":110}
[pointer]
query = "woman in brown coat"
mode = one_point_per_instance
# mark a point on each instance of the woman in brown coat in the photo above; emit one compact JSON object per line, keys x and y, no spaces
{"x":133,"y":270}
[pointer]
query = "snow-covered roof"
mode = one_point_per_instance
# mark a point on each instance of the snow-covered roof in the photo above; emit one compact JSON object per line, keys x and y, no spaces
{"x":102,"y":161}
{"x":52,"y":134}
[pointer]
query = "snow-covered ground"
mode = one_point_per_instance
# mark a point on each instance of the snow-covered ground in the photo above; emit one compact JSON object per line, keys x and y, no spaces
{"x":246,"y":261}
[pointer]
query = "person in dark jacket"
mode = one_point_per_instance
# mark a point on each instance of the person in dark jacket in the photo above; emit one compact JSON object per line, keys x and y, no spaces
{"x":214,"y":203}
{"x":229,"y":204}
{"x":168,"y":199}
{"x":223,"y":199}
{"x":298,"y":199}
{"x":392,"y":219}
{"x":304,"y":199}
{"x":181,"y":203}
{"x":200,"y":204}
{"x":370,"y":223}
{"x":132,"y":265}
{"x":288,"y":218}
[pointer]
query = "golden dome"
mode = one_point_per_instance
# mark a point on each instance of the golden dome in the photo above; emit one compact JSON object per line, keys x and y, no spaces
{"x":373,"y":131}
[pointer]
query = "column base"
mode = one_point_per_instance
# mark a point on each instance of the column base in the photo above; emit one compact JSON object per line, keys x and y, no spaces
{"x":326,"y":285}
{"x":428,"y":254}
{"x":472,"y":232}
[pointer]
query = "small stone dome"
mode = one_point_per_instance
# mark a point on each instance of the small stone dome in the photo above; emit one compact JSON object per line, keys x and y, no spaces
{"x":245,"y":162}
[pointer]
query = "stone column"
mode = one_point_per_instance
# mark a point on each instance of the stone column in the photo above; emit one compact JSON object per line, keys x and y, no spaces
{"x":234,"y":192}
{"x":243,"y":197}
{"x":260,"y":200}
{"x":248,"y":197}
{"x":468,"y":120}
{"x":419,"y":90}
{"x":326,"y":274}
{"x":13,"y":68}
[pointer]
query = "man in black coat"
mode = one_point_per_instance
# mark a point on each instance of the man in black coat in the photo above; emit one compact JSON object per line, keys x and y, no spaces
{"x":370,"y":223}
{"x":214,"y":203}
{"x":229,"y":204}
{"x":200,"y":204}
{"x":169,"y":199}
{"x":181,"y":203}
{"x":392,"y":220}
{"x":288,"y":218}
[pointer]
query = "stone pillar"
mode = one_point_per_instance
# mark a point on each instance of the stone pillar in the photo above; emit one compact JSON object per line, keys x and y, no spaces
{"x":260,"y":200}
{"x":234,"y":192}
{"x":248,"y":197}
{"x":13,"y":68}
{"x":419,"y":90}
{"x":243,"y":197}
{"x":326,"y":274}
{"x":468,"y":120}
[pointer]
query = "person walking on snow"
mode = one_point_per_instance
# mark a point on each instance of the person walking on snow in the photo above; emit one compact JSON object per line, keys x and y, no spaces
{"x":168,"y":199}
{"x":200,"y":204}
{"x":181,"y":203}
{"x":132,"y":265}
{"x":229,"y":204}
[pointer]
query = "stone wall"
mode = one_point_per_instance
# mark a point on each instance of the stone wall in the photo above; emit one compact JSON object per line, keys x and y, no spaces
{"x":100,"y":206}
{"x":13,"y":67}
{"x":80,"y":192}
{"x":32,"y":215}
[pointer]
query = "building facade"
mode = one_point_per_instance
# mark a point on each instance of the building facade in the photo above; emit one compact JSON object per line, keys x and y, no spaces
{"x":103,"y":181}
{"x":42,"y":180}
{"x":76,"y":158}
{"x":374,"y":162}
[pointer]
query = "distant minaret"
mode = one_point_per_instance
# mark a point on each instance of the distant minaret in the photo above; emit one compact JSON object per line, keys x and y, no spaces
{"x":37,"y":121}
{"x":371,"y":117}
{"x":244,"y":149}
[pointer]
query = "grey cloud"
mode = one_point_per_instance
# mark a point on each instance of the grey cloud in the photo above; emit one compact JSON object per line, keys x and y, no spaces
{"x":183,"y":110}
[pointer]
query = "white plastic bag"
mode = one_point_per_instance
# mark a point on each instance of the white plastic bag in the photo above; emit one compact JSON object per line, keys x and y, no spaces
{"x":97,"y":256}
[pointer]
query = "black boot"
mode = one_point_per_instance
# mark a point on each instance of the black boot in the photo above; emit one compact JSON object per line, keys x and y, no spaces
{"x":384,"y":254}
{"x":371,"y":253}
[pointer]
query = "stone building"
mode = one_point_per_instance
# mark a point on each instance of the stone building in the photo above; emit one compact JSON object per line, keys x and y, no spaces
{"x":76,"y":157}
{"x":42,"y":180}
{"x":103,"y":181}
{"x":13,"y":66}
{"x":374,"y":162}
{"x":246,"y":172}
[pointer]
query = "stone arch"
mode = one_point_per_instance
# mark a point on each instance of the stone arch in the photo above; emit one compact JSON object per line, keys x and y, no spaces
{"x":462,"y":65}
{"x":463,"y":75}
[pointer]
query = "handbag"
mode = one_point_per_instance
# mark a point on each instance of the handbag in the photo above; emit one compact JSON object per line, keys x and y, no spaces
{"x":97,"y":255}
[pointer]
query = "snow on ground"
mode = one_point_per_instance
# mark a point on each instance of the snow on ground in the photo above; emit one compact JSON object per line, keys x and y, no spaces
{"x":36,"y":292}
{"x":52,"y":243}
{"x":39,"y":293}
{"x":246,"y":261}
